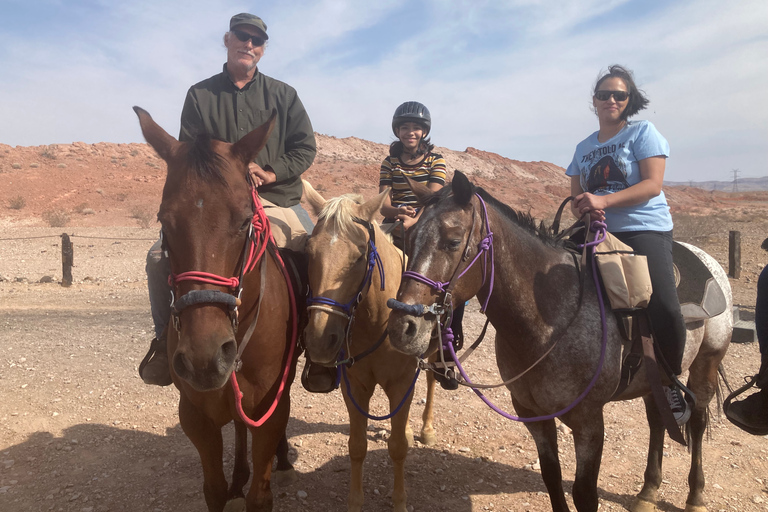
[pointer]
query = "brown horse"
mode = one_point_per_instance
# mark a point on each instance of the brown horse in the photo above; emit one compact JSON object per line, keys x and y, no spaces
{"x":548,"y":333}
{"x":211,"y":232}
{"x":345,"y":252}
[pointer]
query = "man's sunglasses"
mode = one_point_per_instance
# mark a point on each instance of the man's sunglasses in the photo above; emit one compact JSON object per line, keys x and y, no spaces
{"x":244,"y":36}
{"x":617,"y":95}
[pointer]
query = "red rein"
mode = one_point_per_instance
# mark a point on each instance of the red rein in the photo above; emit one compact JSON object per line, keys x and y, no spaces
{"x":260,"y":225}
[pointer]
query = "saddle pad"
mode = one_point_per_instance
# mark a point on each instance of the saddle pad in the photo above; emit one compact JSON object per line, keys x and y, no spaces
{"x":698,"y":292}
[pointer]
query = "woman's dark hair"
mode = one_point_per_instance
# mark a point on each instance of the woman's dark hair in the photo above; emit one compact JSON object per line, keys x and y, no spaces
{"x":396,"y":148}
{"x":637,"y":99}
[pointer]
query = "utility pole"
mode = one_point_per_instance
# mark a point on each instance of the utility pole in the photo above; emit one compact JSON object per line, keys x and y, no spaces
{"x":735,"y":179}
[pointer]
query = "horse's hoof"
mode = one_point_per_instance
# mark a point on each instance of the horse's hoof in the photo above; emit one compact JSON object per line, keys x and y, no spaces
{"x":695,"y":508}
{"x":643,"y":506}
{"x":236,"y":505}
{"x":428,"y":438}
{"x":286,"y":477}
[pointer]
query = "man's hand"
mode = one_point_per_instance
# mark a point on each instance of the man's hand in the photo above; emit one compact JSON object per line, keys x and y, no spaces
{"x":406,"y":211}
{"x":261,"y":176}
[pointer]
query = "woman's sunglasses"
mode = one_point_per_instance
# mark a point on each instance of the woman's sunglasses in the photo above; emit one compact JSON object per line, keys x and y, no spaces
{"x":617,"y":95}
{"x":244,"y":36}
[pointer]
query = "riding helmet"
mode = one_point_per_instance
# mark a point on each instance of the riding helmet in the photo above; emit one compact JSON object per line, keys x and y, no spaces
{"x":412,"y":111}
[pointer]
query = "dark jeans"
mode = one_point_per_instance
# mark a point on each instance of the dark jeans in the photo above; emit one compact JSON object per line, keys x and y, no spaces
{"x":761,"y":319}
{"x":664,"y":308}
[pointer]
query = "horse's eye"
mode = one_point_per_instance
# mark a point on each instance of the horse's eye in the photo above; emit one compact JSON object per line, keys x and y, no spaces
{"x":453,"y":245}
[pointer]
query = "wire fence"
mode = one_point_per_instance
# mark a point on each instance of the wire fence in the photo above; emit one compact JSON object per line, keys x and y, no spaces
{"x":80,"y":236}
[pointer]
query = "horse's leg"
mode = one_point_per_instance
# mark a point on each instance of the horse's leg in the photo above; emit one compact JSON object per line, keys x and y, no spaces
{"x":428,"y":436}
{"x":358,"y":442}
{"x":588,"y":437}
{"x":206,"y":437}
{"x":703,"y":382}
{"x":398,"y":442}
{"x":545,"y":436}
{"x":646,"y":498}
{"x":241,"y":471}
{"x":284,"y":473}
{"x":264,"y":442}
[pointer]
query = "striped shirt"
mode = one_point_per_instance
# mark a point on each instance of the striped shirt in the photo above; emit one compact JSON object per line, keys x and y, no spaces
{"x":430,"y":170}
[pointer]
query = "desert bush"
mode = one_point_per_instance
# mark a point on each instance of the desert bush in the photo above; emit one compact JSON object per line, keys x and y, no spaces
{"x":62,"y":166}
{"x":119,"y":197}
{"x":144,"y":217}
{"x":16,"y":165}
{"x":80,"y":208}
{"x":48,"y":152}
{"x":134,"y":152}
{"x":17,"y":203}
{"x":56,"y":218}
{"x":34,"y":165}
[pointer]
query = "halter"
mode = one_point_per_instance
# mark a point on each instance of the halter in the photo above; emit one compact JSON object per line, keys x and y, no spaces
{"x":259,"y":233}
{"x":443,"y":305}
{"x":347,"y":310}
{"x":258,"y":239}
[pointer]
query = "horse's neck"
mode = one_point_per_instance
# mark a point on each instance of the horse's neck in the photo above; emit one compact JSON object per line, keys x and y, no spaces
{"x":536,"y":286}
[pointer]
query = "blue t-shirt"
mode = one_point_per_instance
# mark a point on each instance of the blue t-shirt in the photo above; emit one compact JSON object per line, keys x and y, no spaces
{"x":611,"y":166}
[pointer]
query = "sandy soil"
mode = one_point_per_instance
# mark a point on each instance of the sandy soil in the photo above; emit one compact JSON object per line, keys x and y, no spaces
{"x":80,"y":432}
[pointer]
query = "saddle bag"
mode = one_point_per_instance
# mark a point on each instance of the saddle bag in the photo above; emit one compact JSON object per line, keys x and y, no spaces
{"x":624,"y":273}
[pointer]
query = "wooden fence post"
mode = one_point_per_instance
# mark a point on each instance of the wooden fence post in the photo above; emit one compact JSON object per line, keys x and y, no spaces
{"x":734,"y":254}
{"x":67,"y":257}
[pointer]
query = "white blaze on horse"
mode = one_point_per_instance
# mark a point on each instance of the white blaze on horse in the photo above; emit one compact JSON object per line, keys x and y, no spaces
{"x":538,"y":305}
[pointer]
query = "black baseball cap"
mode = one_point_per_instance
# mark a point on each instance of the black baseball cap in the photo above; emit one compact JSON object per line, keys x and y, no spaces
{"x":249,"y":19}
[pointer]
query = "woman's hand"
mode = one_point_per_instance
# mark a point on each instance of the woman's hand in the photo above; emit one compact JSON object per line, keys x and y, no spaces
{"x":592,"y":204}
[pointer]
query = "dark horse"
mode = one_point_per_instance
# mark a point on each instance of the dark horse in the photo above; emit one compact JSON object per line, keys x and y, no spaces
{"x":535,"y":306}
{"x":212,"y":230}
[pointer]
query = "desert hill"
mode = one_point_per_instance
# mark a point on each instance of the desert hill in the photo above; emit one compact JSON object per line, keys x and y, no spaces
{"x":107,"y":184}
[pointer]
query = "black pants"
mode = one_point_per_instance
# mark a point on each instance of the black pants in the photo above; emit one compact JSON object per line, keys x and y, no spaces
{"x":664,"y":308}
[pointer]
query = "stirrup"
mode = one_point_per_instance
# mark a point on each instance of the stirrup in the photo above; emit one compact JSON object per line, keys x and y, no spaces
{"x":750,"y":381}
{"x":155,"y":347}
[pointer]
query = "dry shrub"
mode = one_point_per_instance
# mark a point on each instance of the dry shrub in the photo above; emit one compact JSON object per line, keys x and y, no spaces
{"x":80,"y":208}
{"x":144,"y":217}
{"x":17,"y":203}
{"x":119,"y":197}
{"x":48,"y":152}
{"x":56,"y":218}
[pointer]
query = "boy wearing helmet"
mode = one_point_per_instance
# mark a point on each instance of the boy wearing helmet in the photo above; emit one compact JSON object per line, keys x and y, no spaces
{"x":411,"y":155}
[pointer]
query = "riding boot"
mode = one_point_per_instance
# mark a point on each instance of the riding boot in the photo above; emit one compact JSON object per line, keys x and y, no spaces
{"x":751,"y":414}
{"x":154,"y":369}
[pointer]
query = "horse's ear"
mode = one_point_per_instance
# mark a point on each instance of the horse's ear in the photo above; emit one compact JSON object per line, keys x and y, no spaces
{"x":421,"y":191}
{"x":313,"y":197}
{"x":462,"y":188}
{"x":371,"y":207}
{"x":158,"y":138}
{"x":249,"y":146}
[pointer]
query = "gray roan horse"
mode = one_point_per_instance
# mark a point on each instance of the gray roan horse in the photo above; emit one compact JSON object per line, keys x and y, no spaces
{"x":535,"y":305}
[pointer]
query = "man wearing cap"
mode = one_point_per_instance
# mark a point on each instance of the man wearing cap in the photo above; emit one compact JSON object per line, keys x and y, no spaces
{"x":228,"y":106}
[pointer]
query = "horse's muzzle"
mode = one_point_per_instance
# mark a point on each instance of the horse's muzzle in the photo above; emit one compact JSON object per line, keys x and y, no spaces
{"x":206,"y":373}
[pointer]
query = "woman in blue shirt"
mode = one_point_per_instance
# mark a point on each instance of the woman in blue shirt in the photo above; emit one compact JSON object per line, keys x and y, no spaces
{"x":616,"y":176}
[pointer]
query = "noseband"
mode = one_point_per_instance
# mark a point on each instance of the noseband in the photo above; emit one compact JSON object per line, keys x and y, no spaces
{"x":347,"y":310}
{"x":259,"y":233}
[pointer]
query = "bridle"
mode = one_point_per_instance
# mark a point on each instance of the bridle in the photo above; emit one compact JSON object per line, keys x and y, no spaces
{"x":259,"y":232}
{"x":258,"y":240}
{"x":347,"y":310}
{"x":443,"y":305}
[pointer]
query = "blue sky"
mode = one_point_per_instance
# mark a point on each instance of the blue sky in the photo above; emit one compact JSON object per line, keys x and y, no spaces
{"x":513,"y":77}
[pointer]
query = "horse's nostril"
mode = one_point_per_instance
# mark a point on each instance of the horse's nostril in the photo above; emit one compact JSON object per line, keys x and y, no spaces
{"x":229,"y":351}
{"x":410,"y":328}
{"x":181,"y":365}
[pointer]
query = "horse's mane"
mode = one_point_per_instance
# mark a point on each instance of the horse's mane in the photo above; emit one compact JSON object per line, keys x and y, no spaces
{"x":340,"y":211}
{"x":204,"y":160}
{"x":540,"y":229}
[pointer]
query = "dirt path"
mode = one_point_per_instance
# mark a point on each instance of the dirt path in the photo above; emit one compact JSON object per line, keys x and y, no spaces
{"x":80,"y":432}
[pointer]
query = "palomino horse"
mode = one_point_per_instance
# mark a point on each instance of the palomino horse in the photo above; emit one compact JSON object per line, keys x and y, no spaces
{"x":347,"y":291}
{"x":535,"y":307}
{"x":213,"y":227}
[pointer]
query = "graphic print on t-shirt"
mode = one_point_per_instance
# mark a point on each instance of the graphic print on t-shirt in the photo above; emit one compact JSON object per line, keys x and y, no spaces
{"x":606,"y":176}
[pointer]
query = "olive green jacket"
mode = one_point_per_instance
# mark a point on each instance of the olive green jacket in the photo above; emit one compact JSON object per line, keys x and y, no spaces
{"x":218,"y":108}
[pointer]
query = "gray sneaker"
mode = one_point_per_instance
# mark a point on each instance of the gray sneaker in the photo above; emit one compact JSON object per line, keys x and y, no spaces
{"x":680,"y":408}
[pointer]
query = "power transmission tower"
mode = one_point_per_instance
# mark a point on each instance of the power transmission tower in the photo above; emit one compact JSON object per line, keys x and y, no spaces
{"x":735,"y":180}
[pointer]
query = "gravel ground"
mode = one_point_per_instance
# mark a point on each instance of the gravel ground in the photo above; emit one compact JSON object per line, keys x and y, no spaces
{"x":80,"y":432}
